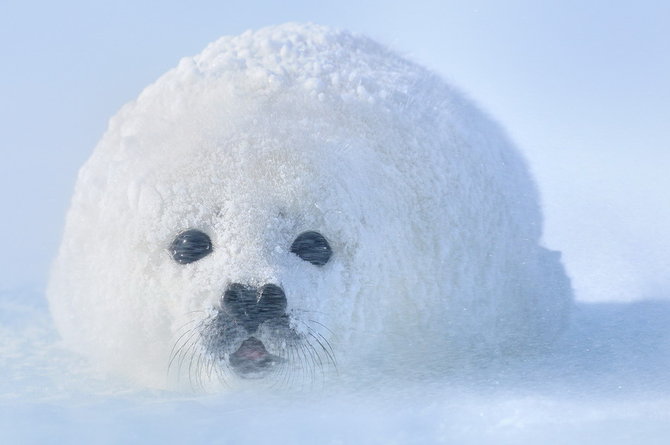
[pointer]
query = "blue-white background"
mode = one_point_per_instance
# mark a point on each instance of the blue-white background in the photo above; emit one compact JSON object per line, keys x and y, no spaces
{"x":583,"y":87}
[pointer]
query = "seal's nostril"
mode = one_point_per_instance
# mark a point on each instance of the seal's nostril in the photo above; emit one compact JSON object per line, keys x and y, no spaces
{"x":251,"y":307}
{"x":271,"y":301}
{"x":240,"y":302}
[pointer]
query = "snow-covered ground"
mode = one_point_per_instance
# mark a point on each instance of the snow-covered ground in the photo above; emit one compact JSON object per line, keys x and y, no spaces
{"x":596,"y":138}
{"x":606,"y":381}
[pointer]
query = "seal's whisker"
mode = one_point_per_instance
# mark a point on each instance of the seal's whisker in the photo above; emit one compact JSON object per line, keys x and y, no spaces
{"x":306,"y":368}
{"x":299,"y":361}
{"x":208,"y":367}
{"x":316,"y":357}
{"x":199,"y":369}
{"x":289,"y":364}
{"x":183,"y":350}
{"x":325,"y":340}
{"x":329,"y":351}
{"x":211,"y":368}
{"x":217,"y":369}
{"x":227,"y":368}
{"x":220,"y":367}
{"x":195,"y":320}
{"x":193,"y":370}
{"x":290,"y":374}
{"x":322,"y":325}
{"x":281,"y":372}
{"x":181,"y":363}
{"x":223,"y":374}
{"x":294,"y":360}
{"x":197,"y":357}
{"x":192,"y":350}
{"x":185,"y":343}
{"x":175,"y":353}
{"x":205,"y":370}
{"x":310,"y":362}
{"x":196,"y":311}
{"x":177,"y":343}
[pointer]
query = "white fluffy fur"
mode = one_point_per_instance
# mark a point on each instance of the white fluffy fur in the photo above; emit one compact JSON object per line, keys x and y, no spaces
{"x":431,"y":213}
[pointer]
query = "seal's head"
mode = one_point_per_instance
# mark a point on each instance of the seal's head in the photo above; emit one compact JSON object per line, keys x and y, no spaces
{"x":297,"y":197}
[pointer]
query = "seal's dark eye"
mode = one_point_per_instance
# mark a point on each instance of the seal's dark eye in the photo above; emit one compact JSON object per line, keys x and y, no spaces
{"x":190,"y":246}
{"x":312,"y":247}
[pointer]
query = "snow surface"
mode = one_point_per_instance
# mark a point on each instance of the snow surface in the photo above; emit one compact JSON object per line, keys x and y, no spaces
{"x":606,"y":381}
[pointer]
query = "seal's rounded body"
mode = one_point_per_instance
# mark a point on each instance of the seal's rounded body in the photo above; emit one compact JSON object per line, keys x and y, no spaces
{"x":429,"y":215}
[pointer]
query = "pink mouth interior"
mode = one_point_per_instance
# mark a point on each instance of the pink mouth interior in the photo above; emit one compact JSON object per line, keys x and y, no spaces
{"x":251,"y":349}
{"x":252,"y":360}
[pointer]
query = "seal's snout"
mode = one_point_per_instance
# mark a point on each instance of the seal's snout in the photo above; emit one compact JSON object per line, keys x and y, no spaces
{"x":251,"y":307}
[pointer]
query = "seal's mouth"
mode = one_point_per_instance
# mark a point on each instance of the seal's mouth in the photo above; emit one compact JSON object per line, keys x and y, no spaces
{"x":252,"y":360}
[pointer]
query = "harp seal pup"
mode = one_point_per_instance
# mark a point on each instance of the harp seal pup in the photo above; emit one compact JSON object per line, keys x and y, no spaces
{"x":296,"y":197}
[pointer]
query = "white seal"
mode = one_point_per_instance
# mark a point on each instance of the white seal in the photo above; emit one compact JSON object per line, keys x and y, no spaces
{"x":296,"y":197}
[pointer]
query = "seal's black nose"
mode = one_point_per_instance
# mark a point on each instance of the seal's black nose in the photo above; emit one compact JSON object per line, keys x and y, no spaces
{"x":250,"y":306}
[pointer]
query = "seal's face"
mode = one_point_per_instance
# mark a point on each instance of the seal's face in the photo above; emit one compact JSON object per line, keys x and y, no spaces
{"x":246,"y":314}
{"x":257,"y":270}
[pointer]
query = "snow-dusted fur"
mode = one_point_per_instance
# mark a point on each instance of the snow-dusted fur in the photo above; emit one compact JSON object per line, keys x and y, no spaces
{"x":430,"y":211}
